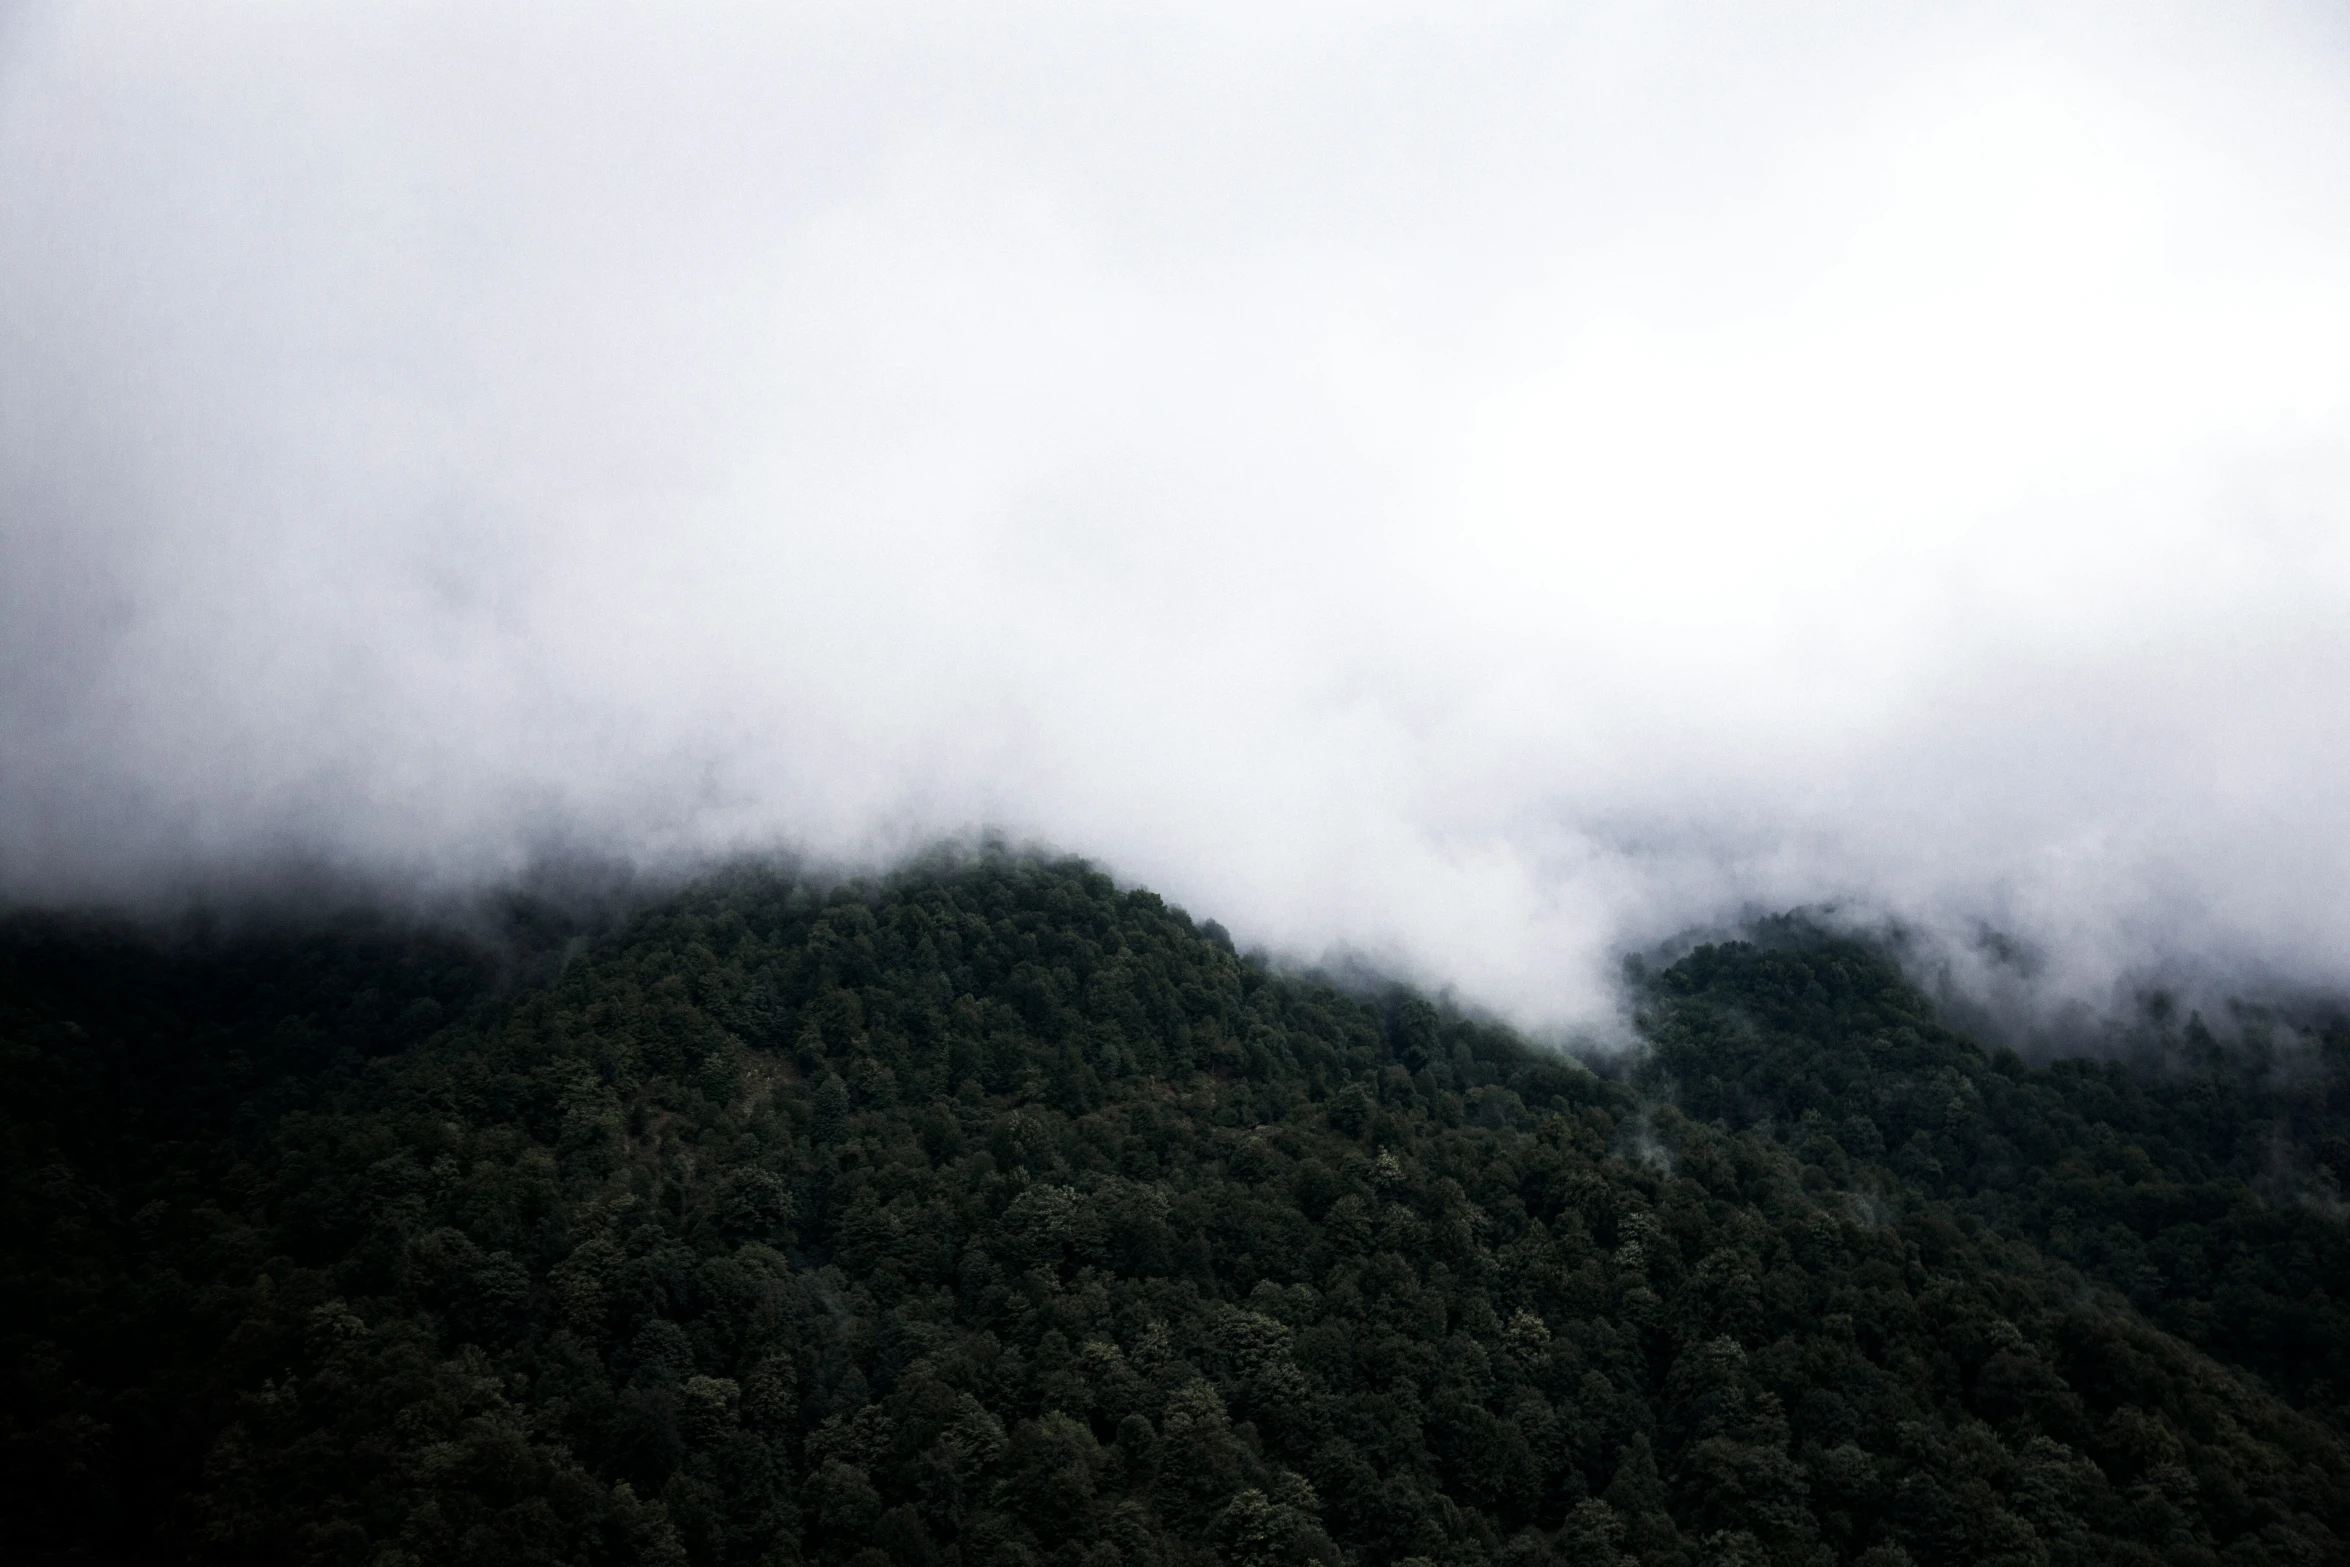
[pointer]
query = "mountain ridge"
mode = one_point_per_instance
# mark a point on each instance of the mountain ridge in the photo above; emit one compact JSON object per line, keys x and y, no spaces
{"x":994,"y":1214}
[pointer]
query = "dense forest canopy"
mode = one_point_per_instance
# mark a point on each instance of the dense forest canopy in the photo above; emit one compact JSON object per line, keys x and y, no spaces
{"x":993,"y":1215}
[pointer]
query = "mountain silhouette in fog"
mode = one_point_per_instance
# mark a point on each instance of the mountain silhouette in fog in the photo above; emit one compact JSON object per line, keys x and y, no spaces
{"x":995,"y":1213}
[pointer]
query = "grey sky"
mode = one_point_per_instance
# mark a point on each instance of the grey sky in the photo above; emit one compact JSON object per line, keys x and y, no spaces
{"x":1484,"y":490}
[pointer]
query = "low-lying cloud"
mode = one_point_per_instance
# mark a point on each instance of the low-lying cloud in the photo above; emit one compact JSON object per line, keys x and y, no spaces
{"x":1487,"y":494}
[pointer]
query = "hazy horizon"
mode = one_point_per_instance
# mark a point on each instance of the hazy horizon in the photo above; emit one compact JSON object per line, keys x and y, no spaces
{"x":1486,"y":494}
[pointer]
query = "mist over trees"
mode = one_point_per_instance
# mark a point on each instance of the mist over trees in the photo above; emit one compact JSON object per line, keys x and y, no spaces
{"x":994,"y":1215}
{"x":1489,"y":487}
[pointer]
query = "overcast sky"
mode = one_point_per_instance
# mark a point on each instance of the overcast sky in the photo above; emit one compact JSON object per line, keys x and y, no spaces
{"x":1488,"y":487}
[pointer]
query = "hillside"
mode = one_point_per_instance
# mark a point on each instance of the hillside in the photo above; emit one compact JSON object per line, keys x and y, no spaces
{"x":995,"y":1215}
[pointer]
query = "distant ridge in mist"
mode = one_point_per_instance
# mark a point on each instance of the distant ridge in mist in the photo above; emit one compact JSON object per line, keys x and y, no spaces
{"x":1484,"y":492}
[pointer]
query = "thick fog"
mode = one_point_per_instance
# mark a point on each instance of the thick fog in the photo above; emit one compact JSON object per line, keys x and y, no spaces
{"x":1481,"y":488}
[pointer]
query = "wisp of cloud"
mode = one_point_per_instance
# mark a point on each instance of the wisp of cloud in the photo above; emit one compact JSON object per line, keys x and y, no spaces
{"x":1482,"y":491}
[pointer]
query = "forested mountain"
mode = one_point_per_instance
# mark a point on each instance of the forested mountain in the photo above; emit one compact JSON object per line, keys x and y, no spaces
{"x":992,"y":1215}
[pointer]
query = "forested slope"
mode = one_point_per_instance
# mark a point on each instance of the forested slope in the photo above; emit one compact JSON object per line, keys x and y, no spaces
{"x":996,"y":1215}
{"x":2206,"y":1190}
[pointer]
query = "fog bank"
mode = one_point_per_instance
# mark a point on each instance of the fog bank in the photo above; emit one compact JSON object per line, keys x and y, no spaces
{"x":1485,"y":494}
